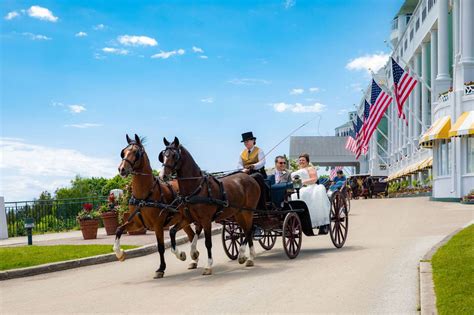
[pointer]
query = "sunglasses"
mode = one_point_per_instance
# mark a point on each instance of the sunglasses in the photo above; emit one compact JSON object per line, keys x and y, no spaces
{"x":281,"y":162}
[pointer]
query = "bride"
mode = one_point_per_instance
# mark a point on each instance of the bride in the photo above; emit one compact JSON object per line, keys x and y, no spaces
{"x":313,"y":194}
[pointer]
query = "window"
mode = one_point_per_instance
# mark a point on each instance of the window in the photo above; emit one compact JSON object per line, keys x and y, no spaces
{"x":470,"y":155}
{"x":417,"y":24}
{"x":411,"y":34}
{"x":444,"y":154}
{"x":423,"y":14}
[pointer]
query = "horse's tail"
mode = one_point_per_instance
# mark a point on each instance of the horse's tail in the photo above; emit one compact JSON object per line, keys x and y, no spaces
{"x":264,"y":192}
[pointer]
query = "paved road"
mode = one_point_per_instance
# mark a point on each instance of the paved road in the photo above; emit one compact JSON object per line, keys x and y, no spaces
{"x":376,"y":271}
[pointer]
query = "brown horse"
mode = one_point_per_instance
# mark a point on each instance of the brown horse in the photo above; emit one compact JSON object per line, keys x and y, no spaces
{"x":152,"y":197}
{"x":209,"y":199}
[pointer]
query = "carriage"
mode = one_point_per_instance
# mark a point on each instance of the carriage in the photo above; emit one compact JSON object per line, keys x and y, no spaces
{"x":288,"y":219}
{"x":368,"y":186}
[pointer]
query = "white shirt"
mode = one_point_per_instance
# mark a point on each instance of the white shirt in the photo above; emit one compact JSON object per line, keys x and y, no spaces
{"x":258,"y":165}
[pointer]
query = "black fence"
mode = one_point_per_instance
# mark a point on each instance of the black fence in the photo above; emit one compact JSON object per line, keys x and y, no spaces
{"x":48,"y":215}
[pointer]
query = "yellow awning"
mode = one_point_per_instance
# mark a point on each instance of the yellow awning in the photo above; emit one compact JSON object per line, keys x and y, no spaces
{"x":411,"y":169}
{"x":438,"y":130}
{"x":428,"y":163}
{"x":464,"y":126}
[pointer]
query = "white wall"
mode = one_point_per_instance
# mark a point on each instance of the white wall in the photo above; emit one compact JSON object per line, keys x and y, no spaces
{"x":3,"y":220}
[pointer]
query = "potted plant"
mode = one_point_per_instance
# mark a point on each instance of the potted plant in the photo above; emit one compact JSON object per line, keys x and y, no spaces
{"x":89,"y":221}
{"x":109,"y":216}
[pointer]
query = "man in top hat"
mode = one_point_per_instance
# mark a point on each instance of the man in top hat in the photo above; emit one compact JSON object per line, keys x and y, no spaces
{"x":252,"y":158}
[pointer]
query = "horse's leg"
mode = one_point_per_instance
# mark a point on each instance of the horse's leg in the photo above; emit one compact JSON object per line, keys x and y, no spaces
{"x":174,"y":248}
{"x":160,"y":240}
{"x":208,"y":237}
{"x":193,"y":237}
{"x":118,"y":234}
{"x":246,"y":225}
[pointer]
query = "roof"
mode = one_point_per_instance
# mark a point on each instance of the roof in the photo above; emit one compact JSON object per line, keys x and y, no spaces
{"x":408,"y":7}
{"x":346,"y":125}
{"x":322,"y":150}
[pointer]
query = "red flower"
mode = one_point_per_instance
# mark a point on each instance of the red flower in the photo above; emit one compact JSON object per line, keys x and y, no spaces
{"x":112,"y":198}
{"x":87,"y":207}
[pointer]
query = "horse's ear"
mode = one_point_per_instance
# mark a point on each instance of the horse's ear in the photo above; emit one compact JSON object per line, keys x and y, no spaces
{"x":137,"y":139}
{"x":128,"y":139}
{"x":166,"y":142}
{"x":176,"y":141}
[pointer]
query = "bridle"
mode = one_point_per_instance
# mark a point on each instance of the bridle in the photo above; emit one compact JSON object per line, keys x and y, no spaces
{"x":138,"y":155}
{"x":177,"y":158}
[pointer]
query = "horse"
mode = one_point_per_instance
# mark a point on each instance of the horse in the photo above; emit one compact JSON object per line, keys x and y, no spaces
{"x":151,"y":206}
{"x":208,"y":199}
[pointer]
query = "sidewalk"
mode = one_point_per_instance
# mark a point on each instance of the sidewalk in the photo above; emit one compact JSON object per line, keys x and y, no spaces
{"x":75,"y":238}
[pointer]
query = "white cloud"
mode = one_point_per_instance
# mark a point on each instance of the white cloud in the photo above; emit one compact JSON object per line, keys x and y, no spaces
{"x":298,"y":107}
{"x":99,"y":27}
{"x":297,"y":91}
{"x":28,"y":169}
{"x":372,"y":62}
{"x":356,"y":87}
{"x":76,"y":109}
{"x":84,"y":125}
{"x":203,"y":57}
{"x":41,"y":13}
{"x":314,"y":89}
{"x":167,"y":54}
{"x":208,"y":100}
{"x":289,"y":4}
{"x":116,"y":51}
{"x":248,"y":81}
{"x":81,"y":34}
{"x":197,"y":50}
{"x":133,"y":40}
{"x":99,"y":56}
{"x":36,"y":36}
{"x":11,"y":15}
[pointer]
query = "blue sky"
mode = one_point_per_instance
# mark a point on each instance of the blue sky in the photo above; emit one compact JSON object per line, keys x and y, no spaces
{"x":78,"y":75}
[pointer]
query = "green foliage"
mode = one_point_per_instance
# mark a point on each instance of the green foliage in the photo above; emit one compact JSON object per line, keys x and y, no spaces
{"x":453,"y":274}
{"x":82,"y":187}
{"x":293,"y":165}
{"x":50,"y":223}
{"x":116,"y":182}
{"x":415,"y":183}
{"x":27,"y":256}
{"x":393,"y":187}
{"x":404,"y":184}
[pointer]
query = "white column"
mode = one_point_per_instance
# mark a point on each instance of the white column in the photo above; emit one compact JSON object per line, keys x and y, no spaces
{"x":456,"y":31}
{"x":467,"y":40}
{"x":417,"y":110}
{"x":434,"y":66}
{"x":410,"y":123}
{"x":424,"y":89}
{"x":443,"y":80}
{"x":400,"y":131}
{"x":3,"y":220}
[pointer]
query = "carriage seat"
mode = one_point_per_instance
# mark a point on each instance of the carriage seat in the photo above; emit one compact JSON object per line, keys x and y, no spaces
{"x":278,"y":192}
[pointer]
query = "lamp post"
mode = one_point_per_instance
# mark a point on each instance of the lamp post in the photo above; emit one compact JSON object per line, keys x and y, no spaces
{"x":29,"y":225}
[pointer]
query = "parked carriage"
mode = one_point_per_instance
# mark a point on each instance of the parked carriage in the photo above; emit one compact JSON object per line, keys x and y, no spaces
{"x":367,"y":186}
{"x":289,"y":222}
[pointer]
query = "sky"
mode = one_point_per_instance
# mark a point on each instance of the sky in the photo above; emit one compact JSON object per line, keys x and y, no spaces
{"x":77,"y":76}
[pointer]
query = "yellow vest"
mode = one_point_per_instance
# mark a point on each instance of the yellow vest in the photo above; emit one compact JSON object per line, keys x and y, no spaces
{"x":251,"y":158}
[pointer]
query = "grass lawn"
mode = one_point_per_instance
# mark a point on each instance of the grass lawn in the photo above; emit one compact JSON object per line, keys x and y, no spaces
{"x":453,"y":274}
{"x":27,"y":256}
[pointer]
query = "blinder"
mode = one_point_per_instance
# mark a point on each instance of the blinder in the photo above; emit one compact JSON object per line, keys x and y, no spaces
{"x":177,"y":157}
{"x":138,"y":155}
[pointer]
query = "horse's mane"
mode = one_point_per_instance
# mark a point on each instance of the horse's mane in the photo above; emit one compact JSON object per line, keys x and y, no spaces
{"x":186,"y":152}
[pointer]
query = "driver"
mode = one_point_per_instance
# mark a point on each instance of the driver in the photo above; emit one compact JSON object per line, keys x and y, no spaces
{"x":252,"y":158}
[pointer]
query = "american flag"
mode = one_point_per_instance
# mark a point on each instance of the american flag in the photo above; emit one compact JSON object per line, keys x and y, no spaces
{"x":351,"y":141}
{"x":359,"y":136}
{"x":380,"y":102}
{"x":365,"y":119}
{"x":333,"y":172}
{"x":404,"y":84}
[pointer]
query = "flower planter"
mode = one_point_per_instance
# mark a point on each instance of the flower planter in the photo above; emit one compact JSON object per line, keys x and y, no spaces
{"x":110,"y":220}
{"x":137,"y":232}
{"x":89,"y":228}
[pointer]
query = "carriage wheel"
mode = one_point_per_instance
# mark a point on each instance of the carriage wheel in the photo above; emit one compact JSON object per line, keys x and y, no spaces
{"x":338,"y":226}
{"x":292,"y":235}
{"x":348,"y":203}
{"x":268,"y":240}
{"x":232,"y":237}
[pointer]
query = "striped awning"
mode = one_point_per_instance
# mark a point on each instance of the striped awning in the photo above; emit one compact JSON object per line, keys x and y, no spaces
{"x":428,"y":163}
{"x":412,"y":169}
{"x":438,"y":130}
{"x":464,"y":126}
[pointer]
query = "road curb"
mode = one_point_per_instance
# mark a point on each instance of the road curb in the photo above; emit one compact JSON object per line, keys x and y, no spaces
{"x":88,"y":261}
{"x":427,"y":292}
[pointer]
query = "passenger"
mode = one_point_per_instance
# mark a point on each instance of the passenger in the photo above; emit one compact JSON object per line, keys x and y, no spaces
{"x":313,"y":195}
{"x":280,"y":181}
{"x":252,"y":158}
{"x":282,"y":174}
{"x":338,"y":181}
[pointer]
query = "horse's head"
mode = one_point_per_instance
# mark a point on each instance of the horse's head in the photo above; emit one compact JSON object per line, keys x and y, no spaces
{"x":132,"y":156}
{"x":170,"y":157}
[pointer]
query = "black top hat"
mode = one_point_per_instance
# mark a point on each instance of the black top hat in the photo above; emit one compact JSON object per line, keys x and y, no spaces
{"x":248,"y":136}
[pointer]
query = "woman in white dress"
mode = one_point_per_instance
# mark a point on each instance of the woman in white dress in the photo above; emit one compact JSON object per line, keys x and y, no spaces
{"x":313,"y":195}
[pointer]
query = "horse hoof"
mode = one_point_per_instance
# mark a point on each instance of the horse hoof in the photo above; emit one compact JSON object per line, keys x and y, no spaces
{"x":182,"y":256}
{"x":193,"y":265}
{"x":249,"y":263}
{"x":159,"y":275}
{"x":207,"y":272}
{"x":242,"y":259}
{"x":122,"y":257}
{"x":195,"y":255}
